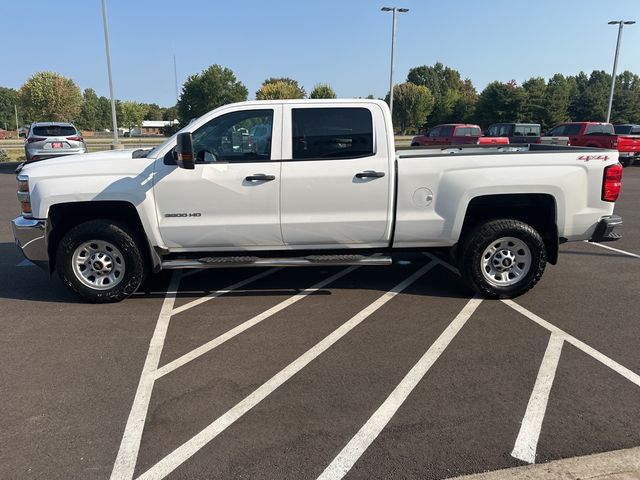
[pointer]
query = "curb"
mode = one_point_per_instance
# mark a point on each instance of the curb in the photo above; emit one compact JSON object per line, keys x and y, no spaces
{"x":615,"y":465}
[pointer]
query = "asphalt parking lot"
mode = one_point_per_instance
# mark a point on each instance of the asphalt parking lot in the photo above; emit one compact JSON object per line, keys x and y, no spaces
{"x":357,"y":373}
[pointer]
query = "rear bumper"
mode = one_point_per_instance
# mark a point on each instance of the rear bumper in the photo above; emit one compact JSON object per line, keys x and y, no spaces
{"x":36,"y":155}
{"x":604,"y":232}
{"x":30,"y":236}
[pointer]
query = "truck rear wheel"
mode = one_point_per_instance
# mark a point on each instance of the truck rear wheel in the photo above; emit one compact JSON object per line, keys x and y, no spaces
{"x":503,"y":258}
{"x":100,"y":261}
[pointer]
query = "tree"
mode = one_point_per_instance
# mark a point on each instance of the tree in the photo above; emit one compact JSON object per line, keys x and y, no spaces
{"x":294,"y":90}
{"x":48,"y":96}
{"x":411,"y":105}
{"x":279,"y":89}
{"x":452,"y":95}
{"x":556,"y":100}
{"x":322,"y":90}
{"x":170,"y":113}
{"x":89,"y":118}
{"x":590,"y":99}
{"x":499,"y":102}
{"x":214,"y":87}
{"x":131,"y":114}
{"x":153,"y":111}
{"x":533,"y":108}
{"x":8,"y":101}
{"x":626,"y":99}
{"x":104,"y":114}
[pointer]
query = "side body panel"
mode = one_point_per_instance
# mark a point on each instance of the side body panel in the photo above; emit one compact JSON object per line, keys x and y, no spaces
{"x":434,"y":192}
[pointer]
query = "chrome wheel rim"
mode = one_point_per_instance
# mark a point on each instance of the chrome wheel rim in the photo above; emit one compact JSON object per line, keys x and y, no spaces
{"x":506,"y":261}
{"x":98,"y":264}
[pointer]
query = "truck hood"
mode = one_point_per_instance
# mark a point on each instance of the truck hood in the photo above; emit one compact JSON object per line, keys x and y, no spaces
{"x":115,"y":162}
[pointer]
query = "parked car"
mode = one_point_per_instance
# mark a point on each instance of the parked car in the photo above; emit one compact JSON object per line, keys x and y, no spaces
{"x":332,"y":192}
{"x":52,"y":139}
{"x":455,"y":134}
{"x":515,"y":132}
{"x":599,"y":135}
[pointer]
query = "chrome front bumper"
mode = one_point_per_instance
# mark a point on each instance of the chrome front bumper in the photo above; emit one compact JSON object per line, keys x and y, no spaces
{"x":30,"y":235}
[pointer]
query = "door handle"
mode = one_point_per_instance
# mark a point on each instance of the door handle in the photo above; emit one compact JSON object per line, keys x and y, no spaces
{"x":260,"y":177}
{"x":370,"y":174}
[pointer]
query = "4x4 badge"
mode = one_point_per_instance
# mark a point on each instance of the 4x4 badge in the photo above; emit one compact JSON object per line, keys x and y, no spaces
{"x":588,"y":158}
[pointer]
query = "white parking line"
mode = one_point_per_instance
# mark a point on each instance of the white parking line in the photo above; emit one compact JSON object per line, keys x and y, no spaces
{"x":592,"y":352}
{"x":218,"y":293}
{"x":124,"y":466}
{"x":125,"y":463}
{"x":176,"y":458}
{"x":527,"y":441}
{"x":350,"y":454}
{"x":613,"y":249}
{"x":207,"y":347}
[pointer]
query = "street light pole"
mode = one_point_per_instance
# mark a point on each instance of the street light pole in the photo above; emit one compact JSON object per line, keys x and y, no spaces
{"x":116,"y":142}
{"x":175,"y":76}
{"x":393,"y":46}
{"x":621,"y":24}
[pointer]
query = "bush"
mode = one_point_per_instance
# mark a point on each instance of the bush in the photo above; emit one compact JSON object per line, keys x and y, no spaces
{"x":4,"y":156}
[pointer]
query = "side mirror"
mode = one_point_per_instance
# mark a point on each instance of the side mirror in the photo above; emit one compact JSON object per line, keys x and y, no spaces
{"x":184,"y":151}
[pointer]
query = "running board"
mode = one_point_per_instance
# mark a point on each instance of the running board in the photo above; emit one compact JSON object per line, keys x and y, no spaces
{"x":308,"y":261}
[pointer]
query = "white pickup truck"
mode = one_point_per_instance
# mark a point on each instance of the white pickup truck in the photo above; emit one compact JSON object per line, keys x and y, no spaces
{"x":303,"y":183}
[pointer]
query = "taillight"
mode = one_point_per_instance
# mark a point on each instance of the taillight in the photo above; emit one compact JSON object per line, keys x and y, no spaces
{"x":23,"y":195}
{"x":35,"y":139}
{"x":75,"y":139}
{"x":612,"y":182}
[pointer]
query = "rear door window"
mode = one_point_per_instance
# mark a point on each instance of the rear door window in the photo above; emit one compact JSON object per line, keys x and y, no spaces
{"x":446,"y":132}
{"x":332,"y":133}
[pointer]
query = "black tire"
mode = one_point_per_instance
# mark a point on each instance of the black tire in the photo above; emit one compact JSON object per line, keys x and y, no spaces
{"x":129,"y":255}
{"x":415,"y":144}
{"x":475,"y":258}
{"x":627,"y":162}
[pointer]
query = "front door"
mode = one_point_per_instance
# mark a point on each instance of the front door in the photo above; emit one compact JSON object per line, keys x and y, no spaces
{"x":232,"y":197}
{"x":336,"y":180}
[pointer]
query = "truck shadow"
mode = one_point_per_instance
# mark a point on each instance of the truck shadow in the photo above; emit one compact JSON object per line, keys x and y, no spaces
{"x":20,"y":280}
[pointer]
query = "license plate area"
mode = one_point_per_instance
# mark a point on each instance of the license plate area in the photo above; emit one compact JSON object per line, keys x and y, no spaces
{"x":56,"y":144}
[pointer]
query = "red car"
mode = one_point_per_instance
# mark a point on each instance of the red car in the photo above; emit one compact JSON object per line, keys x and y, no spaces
{"x":455,"y":134}
{"x":599,"y":135}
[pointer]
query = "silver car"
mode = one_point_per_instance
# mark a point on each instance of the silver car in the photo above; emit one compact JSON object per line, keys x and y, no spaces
{"x":52,"y":139}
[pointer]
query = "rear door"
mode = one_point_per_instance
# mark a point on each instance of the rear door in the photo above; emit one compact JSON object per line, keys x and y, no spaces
{"x":336,"y":178}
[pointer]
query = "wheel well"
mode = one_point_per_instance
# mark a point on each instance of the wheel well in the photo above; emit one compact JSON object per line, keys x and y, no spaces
{"x":535,"y":209}
{"x":64,"y":216}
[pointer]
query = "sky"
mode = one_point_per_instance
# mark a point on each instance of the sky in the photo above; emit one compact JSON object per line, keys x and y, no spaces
{"x":345,"y":43}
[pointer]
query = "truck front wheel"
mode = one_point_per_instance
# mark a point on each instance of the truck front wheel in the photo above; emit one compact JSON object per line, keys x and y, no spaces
{"x":503,"y":258}
{"x":100,"y":261}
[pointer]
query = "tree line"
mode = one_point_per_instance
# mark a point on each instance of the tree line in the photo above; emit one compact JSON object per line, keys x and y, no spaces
{"x":430,"y":95}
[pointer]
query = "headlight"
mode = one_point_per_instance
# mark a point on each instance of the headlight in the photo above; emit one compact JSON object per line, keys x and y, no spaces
{"x":23,"y":195}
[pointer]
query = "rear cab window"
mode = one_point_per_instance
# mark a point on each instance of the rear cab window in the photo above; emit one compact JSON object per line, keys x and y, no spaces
{"x":331,"y":133}
{"x":600,"y":129}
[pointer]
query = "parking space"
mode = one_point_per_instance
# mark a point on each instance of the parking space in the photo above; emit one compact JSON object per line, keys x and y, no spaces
{"x":376,"y":372}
